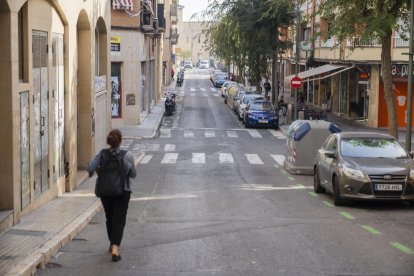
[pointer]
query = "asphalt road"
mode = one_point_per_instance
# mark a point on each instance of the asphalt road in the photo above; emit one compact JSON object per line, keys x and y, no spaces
{"x":211,"y":198}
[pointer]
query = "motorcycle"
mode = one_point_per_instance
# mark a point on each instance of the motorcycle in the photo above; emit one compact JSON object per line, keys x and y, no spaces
{"x":180,"y":78}
{"x":170,"y":104}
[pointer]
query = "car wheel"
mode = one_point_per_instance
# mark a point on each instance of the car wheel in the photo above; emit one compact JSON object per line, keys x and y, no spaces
{"x":317,"y":182}
{"x":336,"y":192}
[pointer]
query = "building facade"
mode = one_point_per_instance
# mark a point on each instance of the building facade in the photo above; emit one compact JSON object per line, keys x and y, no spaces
{"x":55,"y":108}
{"x":170,"y":39}
{"x":346,"y":78}
{"x":191,"y":45}
{"x":135,"y":59}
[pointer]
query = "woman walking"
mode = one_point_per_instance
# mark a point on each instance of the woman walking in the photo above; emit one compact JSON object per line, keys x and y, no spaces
{"x":115,"y":206}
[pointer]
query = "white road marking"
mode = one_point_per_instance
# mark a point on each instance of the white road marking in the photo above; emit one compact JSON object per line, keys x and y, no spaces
{"x":165,"y":133}
{"x":152,"y":147}
{"x":232,"y":134}
{"x":254,"y":159}
{"x":146,"y":159}
{"x":170,"y":158}
{"x":205,"y":95}
{"x":202,"y":89}
{"x":199,"y":158}
{"x":193,"y":94}
{"x":192,"y":89}
{"x":226,"y":158}
{"x":213,"y":90}
{"x":210,"y":133}
{"x":280,"y":159}
{"x":169,"y":147}
{"x":276,"y":133}
{"x":216,"y":95}
{"x":254,"y":133}
{"x":188,"y":133}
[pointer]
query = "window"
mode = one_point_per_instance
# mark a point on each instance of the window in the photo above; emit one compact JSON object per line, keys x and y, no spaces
{"x":22,"y":43}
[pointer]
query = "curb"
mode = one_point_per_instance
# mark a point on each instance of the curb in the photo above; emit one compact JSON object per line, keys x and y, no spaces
{"x":43,"y":254}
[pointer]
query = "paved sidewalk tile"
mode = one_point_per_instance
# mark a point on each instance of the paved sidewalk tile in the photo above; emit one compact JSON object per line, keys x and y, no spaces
{"x":42,"y":232}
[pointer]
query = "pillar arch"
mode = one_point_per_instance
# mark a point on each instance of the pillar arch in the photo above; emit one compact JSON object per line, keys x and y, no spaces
{"x":84,"y":90}
{"x":101,"y":97}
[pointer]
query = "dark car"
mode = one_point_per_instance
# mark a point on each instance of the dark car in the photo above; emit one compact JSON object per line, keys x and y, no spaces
{"x":219,"y":79}
{"x":364,"y":166}
{"x":260,"y":113}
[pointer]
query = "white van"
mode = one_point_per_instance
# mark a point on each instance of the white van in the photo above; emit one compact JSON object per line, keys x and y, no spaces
{"x":188,"y":64}
{"x":204,"y":64}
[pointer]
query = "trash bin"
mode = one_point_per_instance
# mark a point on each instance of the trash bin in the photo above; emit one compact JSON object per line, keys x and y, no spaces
{"x":304,"y":138}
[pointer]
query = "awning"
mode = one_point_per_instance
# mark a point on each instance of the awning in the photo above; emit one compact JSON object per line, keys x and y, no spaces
{"x":316,"y":71}
{"x":122,"y":4}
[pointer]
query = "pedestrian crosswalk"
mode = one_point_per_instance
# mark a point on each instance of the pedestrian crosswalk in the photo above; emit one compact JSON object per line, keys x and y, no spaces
{"x":214,"y":133}
{"x":220,"y":158}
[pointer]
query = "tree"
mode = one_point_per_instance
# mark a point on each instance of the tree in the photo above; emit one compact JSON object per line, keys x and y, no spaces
{"x":370,"y":19}
{"x":245,"y":32}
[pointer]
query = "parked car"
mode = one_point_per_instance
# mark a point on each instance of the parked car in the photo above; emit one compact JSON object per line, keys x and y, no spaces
{"x":204,"y":64}
{"x":219,"y":79}
{"x":364,"y":166}
{"x":223,"y":89}
{"x":213,"y":74}
{"x":232,"y":93}
{"x":245,"y":101}
{"x":188,"y":64}
{"x":237,"y":101}
{"x":260,"y":113}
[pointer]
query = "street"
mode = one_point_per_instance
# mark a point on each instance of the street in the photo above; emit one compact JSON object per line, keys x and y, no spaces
{"x":213,"y":198}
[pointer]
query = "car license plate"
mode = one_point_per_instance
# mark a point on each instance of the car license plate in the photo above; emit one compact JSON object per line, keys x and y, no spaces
{"x":388,"y":187}
{"x":263,"y":121}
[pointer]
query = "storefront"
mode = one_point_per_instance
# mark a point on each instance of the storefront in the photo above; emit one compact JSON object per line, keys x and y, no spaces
{"x":400,"y":86}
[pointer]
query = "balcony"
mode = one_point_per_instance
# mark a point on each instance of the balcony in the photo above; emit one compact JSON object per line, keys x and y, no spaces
{"x":161,"y":18}
{"x":306,"y":45}
{"x":174,"y":14}
{"x":329,"y":43}
{"x":363,"y":43}
{"x":401,"y":43}
{"x":174,"y":36}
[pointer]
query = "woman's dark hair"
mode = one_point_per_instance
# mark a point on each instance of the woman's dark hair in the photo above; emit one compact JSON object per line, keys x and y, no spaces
{"x":114,"y":138}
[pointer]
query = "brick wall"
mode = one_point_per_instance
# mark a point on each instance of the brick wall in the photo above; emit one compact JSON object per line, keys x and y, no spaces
{"x":120,"y":18}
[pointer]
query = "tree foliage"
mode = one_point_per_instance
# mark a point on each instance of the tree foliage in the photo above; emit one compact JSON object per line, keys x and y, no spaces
{"x":367,"y":20}
{"x":246,"y":32}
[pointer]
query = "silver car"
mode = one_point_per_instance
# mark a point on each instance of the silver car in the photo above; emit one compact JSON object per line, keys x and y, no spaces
{"x":364,"y":166}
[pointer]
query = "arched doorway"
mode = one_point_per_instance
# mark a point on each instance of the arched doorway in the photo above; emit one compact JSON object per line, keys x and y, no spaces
{"x":84,"y":91}
{"x":101,"y":118}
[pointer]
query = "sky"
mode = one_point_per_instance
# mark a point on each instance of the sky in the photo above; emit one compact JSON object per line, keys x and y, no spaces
{"x":192,"y":6}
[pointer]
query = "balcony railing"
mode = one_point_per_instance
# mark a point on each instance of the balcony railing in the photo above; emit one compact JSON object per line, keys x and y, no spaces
{"x":329,"y":43}
{"x":364,"y":43}
{"x":400,"y":43}
{"x":306,"y":45}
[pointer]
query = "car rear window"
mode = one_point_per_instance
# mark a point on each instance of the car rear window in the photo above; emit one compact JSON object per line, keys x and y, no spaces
{"x":261,"y":106}
{"x":372,"y":147}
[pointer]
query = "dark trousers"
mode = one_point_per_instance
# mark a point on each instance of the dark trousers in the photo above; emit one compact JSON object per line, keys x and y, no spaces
{"x":115,"y":212}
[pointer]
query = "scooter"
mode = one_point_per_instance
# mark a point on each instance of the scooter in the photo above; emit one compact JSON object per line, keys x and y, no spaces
{"x":170,"y":104}
{"x":180,"y":78}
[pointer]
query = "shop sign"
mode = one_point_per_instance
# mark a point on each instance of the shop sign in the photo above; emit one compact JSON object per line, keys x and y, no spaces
{"x":115,"y":44}
{"x":399,"y":71}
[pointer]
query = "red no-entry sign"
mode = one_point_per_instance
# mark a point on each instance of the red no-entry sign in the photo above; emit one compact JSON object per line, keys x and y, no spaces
{"x":296,"y":82}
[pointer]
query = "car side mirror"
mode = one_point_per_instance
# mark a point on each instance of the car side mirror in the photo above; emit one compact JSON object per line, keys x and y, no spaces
{"x":330,"y":154}
{"x":411,"y":154}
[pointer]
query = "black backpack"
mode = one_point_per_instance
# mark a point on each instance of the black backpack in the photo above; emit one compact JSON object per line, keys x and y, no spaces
{"x":111,"y":174}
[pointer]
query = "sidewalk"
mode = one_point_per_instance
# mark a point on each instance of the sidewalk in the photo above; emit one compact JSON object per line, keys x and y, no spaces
{"x":43,"y":232}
